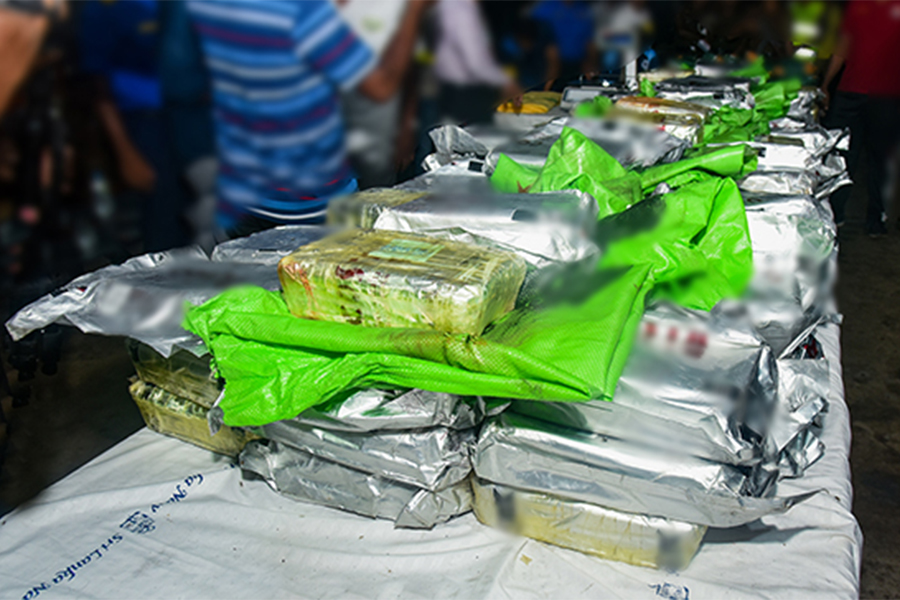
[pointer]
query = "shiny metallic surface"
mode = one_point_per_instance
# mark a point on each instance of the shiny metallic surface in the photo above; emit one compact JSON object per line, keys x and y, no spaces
{"x":428,"y":458}
{"x":371,"y":410}
{"x":270,"y":246}
{"x":309,"y":478}
{"x":817,"y":140}
{"x":143,"y":298}
{"x":541,"y":457}
{"x":460,"y":176}
{"x":692,"y":383}
{"x":541,"y":228}
{"x":781,"y":183}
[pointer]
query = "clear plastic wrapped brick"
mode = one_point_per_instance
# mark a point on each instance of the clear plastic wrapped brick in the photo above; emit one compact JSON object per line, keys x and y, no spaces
{"x":610,"y":534}
{"x":393,"y":279}
{"x":180,"y":418}
{"x":362,"y":208}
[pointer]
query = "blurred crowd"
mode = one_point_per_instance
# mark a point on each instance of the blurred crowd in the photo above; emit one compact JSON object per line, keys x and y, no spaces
{"x":132,"y":126}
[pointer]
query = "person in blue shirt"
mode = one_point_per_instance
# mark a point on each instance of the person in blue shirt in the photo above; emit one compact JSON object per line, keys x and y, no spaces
{"x":572,"y":25}
{"x":277,"y":68}
{"x":119,"y":45}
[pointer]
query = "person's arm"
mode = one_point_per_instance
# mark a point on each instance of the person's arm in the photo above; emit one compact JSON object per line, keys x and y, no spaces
{"x":834,"y":66}
{"x":21,"y":35}
{"x":136,"y":172}
{"x":383,"y":82}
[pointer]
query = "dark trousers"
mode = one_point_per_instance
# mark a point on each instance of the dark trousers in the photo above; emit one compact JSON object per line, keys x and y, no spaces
{"x":468,"y":104}
{"x":874,"y":124}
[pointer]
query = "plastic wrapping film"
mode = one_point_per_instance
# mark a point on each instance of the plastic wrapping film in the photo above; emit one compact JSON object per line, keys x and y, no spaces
{"x":182,"y":373}
{"x":427,"y":458}
{"x":663,"y":107}
{"x":270,"y":246}
{"x":631,"y":144}
{"x":540,"y":228}
{"x":635,"y":539}
{"x":685,"y":127}
{"x":534,"y":455}
{"x":362,"y":208}
{"x":391,"y":279}
{"x":308,"y":478}
{"x":180,"y":418}
{"x":664,"y":74}
{"x":143,"y":298}
{"x":692,"y":384}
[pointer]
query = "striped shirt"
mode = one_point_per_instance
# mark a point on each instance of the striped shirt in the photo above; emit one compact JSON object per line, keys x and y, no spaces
{"x":277,"y":68}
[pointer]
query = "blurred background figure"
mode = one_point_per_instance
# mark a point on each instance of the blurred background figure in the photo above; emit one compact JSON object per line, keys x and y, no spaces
{"x":277,"y":70}
{"x":867,"y":99}
{"x":529,"y":48}
{"x":572,"y":25}
{"x":622,"y":30}
{"x":119,"y":44}
{"x":373,"y":128}
{"x":472,"y":81}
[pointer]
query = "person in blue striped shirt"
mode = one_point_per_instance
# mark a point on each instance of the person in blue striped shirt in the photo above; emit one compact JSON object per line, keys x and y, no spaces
{"x":277,"y":68}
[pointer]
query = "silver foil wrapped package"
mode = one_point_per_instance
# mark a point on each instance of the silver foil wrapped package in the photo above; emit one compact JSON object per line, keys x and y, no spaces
{"x":308,"y":478}
{"x":794,"y":248}
{"x":380,"y":410}
{"x":427,"y":458}
{"x":693,"y":382}
{"x":714,"y":93}
{"x":270,"y":246}
{"x":780,"y":183}
{"x":805,"y":106}
{"x":802,"y":391}
{"x":817,"y":140}
{"x":610,"y":534}
{"x":632,"y":144}
{"x":541,"y":228}
{"x":572,"y":96}
{"x":542,"y":457}
{"x":143,"y":298}
{"x":463,"y":176}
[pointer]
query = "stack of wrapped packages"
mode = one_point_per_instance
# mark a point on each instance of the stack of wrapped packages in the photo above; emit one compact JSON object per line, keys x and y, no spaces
{"x":598,"y":333}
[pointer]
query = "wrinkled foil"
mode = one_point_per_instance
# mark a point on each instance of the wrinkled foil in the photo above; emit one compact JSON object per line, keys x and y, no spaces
{"x":182,"y":373}
{"x":143,"y":298}
{"x":521,"y":123}
{"x":802,"y":391}
{"x":781,"y":183}
{"x":427,"y":458}
{"x":635,"y":539}
{"x":693,"y":381}
{"x":308,"y":478}
{"x":463,"y":176}
{"x":380,"y":410}
{"x":541,"y":228}
{"x":708,"y":84}
{"x":452,"y":142}
{"x":632,"y":144}
{"x":805,"y":106}
{"x":541,"y":457}
{"x":793,"y":240}
{"x":711,"y":92}
{"x":817,"y":140}
{"x":270,"y":246}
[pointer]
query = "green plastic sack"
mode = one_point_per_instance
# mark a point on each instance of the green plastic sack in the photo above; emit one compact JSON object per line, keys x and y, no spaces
{"x":595,"y":108}
{"x":773,"y":99}
{"x":755,"y":70}
{"x":729,"y":124}
{"x":647,"y":88}
{"x":576,"y":162}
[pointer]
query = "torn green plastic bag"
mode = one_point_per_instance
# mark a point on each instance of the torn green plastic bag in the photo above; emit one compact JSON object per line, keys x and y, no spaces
{"x":276,"y":365}
{"x":729,"y":124}
{"x":773,"y":99}
{"x":595,"y":108}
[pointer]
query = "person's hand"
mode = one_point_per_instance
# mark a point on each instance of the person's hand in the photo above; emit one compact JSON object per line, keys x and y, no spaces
{"x":826,"y":100}
{"x":512,"y":92}
{"x":136,"y":172}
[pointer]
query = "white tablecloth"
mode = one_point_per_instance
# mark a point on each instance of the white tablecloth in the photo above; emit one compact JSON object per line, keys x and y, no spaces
{"x":154,"y":517}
